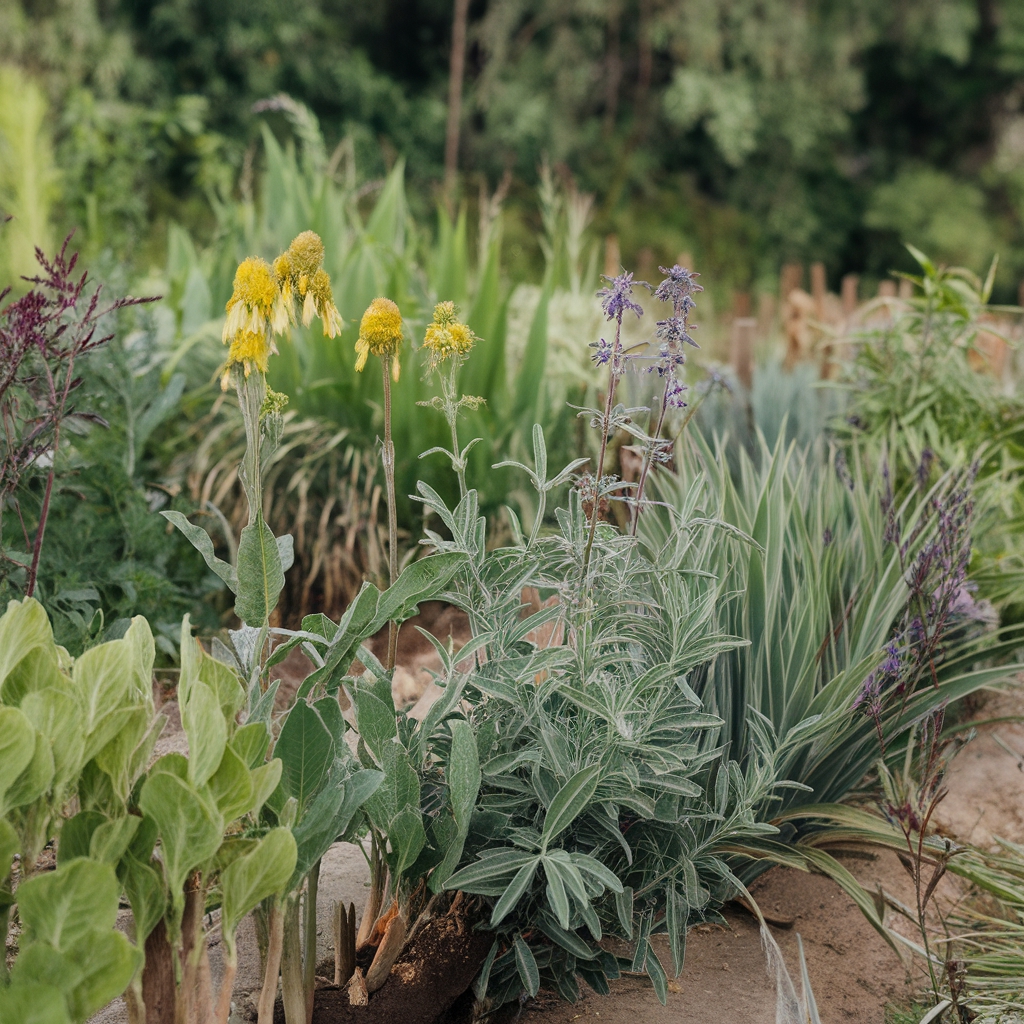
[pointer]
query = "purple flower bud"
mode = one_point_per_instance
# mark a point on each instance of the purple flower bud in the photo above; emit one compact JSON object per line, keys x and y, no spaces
{"x":616,"y":299}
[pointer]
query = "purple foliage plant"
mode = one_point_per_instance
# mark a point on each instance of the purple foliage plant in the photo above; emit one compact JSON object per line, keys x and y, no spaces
{"x":43,"y":337}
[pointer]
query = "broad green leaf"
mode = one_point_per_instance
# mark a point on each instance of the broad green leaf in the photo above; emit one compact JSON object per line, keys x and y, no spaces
{"x":407,"y":838}
{"x":231,"y":786}
{"x":32,"y":1003}
{"x":307,"y":750}
{"x":23,"y":628}
{"x":111,"y":839}
{"x":423,"y":580}
{"x":463,"y":773}
{"x":526,"y":965}
{"x":116,"y":757}
{"x":17,"y":746}
{"x":76,"y":835}
{"x":200,"y":540}
{"x":260,"y":575}
{"x":265,"y":779}
{"x":463,"y":786}
{"x":570,"y":801}
{"x":39,"y":670}
{"x":286,"y":551}
{"x":249,"y":879}
{"x":35,"y":780}
{"x":190,"y":827}
{"x":224,"y":682}
{"x":9,"y":844}
{"x":62,"y":906}
{"x":250,"y":743}
{"x":624,"y":909}
{"x":55,"y":713}
{"x":108,"y":962}
{"x":376,"y":721}
{"x":328,"y":816}
{"x":206,"y":730}
{"x":147,"y":895}
{"x":399,"y":790}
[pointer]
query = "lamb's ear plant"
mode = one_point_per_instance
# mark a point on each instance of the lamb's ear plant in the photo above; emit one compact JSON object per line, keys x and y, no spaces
{"x":67,"y":727}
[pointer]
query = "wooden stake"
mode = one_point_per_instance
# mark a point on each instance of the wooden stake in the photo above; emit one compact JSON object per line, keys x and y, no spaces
{"x":742,"y":359}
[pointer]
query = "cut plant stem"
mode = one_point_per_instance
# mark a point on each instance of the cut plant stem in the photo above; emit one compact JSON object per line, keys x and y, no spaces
{"x":389,"y":480}
{"x":292,"y":981}
{"x":268,"y":994}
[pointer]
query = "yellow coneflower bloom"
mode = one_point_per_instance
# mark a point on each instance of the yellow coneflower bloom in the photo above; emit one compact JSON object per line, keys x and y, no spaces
{"x":380,"y":332}
{"x":300,"y":274}
{"x":446,"y":336}
{"x":251,"y":306}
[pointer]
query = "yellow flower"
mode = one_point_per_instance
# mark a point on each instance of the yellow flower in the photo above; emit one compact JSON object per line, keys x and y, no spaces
{"x":249,"y":349}
{"x":320,"y":300}
{"x":251,"y":306}
{"x":299,"y":272}
{"x":380,"y":332}
{"x":306,"y":254}
{"x":446,"y":336}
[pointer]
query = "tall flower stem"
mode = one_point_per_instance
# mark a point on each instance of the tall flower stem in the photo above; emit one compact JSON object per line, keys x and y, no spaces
{"x":609,"y":404}
{"x":389,"y":481}
{"x":645,"y":468}
{"x":450,"y":387}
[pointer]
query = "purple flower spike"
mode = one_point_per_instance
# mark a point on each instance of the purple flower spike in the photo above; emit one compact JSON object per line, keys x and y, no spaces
{"x":616,"y":298}
{"x":678,"y":286}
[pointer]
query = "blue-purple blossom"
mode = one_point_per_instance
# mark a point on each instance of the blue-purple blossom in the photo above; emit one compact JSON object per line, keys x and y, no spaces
{"x":616,"y":299}
{"x":826,"y":537}
{"x":891,"y":665}
{"x":603,"y":351}
{"x":679,"y":285}
{"x":674,"y":391}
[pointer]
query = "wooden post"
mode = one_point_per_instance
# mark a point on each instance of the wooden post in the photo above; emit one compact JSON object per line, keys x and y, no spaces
{"x":792,"y":276}
{"x":766,"y":309}
{"x":849,"y":294}
{"x":685,"y":260}
{"x":819,"y":286}
{"x":906,"y":290}
{"x":741,"y":304}
{"x":742,"y":355}
{"x":887,"y":289}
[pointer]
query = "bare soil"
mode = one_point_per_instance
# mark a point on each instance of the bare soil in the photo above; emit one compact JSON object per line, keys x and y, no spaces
{"x":853,"y":971}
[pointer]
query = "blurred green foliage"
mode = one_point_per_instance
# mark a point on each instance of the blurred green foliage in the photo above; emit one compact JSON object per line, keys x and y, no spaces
{"x":746,"y":133}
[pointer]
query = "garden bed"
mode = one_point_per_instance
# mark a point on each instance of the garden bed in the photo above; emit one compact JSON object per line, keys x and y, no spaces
{"x":725,"y":980}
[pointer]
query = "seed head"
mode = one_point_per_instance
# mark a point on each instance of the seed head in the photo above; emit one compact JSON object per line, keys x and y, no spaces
{"x":380,"y":332}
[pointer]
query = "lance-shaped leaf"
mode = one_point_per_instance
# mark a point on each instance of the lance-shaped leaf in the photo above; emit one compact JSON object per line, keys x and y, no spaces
{"x":570,"y":802}
{"x":200,"y":540}
{"x":260,"y":574}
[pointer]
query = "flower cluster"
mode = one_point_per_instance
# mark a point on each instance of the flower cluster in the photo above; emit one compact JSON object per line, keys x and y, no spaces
{"x":616,"y":301}
{"x":262,"y":302}
{"x":674,"y":332}
{"x":446,"y":337}
{"x":939,"y":606}
{"x":380,"y":333}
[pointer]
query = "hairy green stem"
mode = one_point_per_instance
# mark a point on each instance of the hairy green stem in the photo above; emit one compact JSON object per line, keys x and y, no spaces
{"x":389,"y":481}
